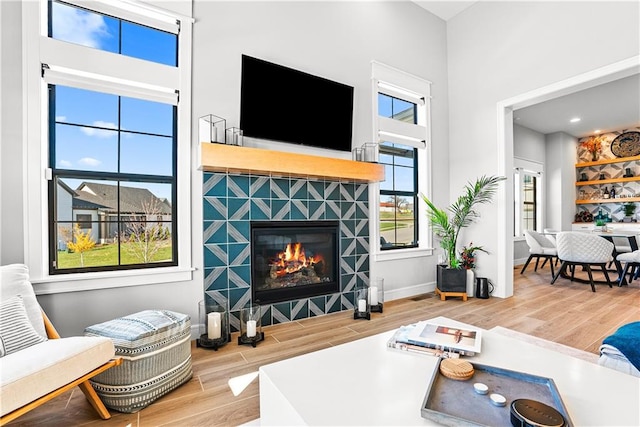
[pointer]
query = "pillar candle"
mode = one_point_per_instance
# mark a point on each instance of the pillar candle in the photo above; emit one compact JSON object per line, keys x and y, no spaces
{"x":373,"y":292}
{"x":362,"y":305}
{"x":251,"y":328}
{"x":214,"y":327}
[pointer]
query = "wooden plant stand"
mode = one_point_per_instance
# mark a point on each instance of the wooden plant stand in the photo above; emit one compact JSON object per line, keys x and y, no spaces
{"x":444,"y":295}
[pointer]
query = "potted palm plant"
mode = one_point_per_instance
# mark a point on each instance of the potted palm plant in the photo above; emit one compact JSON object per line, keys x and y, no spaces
{"x":447,"y":224}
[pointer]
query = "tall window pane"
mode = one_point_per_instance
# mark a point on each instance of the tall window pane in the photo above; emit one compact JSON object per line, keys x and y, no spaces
{"x":114,"y":181}
{"x":398,"y":196}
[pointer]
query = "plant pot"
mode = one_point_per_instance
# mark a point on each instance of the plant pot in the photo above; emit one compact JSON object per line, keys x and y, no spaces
{"x":451,"y":279}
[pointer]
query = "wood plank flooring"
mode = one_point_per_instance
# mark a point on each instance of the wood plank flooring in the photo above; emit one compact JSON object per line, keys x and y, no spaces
{"x":567,"y":313}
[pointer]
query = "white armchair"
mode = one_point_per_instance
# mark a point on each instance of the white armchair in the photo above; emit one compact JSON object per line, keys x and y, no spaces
{"x":586,"y":250}
{"x":37,"y":365}
{"x":539,"y":247}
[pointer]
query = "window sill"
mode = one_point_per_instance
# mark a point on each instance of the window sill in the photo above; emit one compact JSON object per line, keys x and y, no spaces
{"x":118,"y":279}
{"x":397,"y":254}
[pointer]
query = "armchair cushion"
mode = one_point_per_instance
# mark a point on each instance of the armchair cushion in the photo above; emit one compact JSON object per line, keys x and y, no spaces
{"x":36,"y":370}
{"x":16,"y":331}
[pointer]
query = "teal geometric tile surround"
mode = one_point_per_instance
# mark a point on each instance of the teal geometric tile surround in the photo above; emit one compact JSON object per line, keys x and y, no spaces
{"x":232,"y":201}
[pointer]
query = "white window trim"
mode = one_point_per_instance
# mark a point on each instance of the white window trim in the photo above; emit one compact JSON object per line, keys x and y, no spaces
{"x":36,"y":47}
{"x":532,"y":168}
{"x":402,"y":85}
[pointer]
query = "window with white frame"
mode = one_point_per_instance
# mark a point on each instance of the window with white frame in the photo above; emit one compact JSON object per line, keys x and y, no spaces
{"x":113,"y":114}
{"x":528,"y":194}
{"x":401,"y":118}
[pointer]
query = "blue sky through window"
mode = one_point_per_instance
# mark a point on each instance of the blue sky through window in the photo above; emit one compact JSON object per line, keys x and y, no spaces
{"x":87,"y":128}
{"x":91,"y":29}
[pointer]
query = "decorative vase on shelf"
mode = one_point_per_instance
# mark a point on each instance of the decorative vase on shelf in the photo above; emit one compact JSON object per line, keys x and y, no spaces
{"x":594,"y":156}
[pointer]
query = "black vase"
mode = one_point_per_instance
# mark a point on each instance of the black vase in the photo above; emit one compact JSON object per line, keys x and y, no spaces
{"x":451,"y":279}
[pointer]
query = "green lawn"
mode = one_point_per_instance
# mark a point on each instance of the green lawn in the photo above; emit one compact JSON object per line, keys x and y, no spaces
{"x":103,"y":255}
{"x":387,"y":220}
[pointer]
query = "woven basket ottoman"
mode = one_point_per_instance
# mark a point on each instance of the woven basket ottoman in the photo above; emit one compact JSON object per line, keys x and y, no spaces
{"x":155,"y":346}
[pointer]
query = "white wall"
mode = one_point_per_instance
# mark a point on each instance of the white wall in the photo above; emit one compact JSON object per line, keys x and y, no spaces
{"x":338,"y":41}
{"x":528,"y":144}
{"x":335,"y":40}
{"x":11,"y":179}
{"x":560,"y":182}
{"x":498,"y":50}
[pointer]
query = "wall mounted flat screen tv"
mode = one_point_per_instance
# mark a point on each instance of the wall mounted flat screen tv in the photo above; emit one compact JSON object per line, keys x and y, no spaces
{"x":287,"y":105}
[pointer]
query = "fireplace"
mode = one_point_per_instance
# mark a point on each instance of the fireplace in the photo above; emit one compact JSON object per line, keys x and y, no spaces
{"x":292,"y":260}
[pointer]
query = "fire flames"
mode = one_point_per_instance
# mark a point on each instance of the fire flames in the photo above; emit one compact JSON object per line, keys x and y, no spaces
{"x":293,"y":259}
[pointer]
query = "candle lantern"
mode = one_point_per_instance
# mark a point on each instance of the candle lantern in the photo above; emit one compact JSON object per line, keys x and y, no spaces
{"x":361,"y":307}
{"x":376,"y":294}
{"x":214,"y":326}
{"x":213,"y":128}
{"x":234,"y":136}
{"x":370,"y":152}
{"x":251,"y":325}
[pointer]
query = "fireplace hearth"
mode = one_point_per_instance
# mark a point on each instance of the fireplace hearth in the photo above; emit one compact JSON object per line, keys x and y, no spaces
{"x":293,"y":260}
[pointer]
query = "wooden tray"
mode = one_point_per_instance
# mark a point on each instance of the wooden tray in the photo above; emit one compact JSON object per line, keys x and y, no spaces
{"x":455,"y":403}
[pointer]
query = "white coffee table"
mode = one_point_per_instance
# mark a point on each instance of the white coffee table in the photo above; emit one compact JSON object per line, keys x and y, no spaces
{"x":364,"y":383}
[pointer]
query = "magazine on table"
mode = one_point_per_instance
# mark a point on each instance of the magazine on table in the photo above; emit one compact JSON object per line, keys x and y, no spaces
{"x":443,"y":340}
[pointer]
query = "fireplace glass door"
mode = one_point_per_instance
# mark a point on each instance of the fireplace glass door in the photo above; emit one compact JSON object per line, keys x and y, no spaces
{"x":291,"y":260}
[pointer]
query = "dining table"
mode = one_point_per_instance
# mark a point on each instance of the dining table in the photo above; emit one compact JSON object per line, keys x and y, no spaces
{"x":608,"y":234}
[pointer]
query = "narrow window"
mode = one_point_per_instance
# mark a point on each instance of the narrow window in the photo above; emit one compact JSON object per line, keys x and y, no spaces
{"x":398,"y":197}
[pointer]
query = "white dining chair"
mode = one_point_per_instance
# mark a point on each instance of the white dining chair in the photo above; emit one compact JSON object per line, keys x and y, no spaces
{"x":586,"y":250}
{"x":630,"y":259}
{"x":539,"y":247}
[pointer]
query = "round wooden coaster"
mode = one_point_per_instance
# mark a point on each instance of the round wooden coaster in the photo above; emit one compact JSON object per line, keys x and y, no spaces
{"x":456,"y":369}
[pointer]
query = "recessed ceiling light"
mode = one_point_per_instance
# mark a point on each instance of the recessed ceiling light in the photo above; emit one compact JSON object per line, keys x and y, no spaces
{"x":597,"y":131}
{"x":575,"y":120}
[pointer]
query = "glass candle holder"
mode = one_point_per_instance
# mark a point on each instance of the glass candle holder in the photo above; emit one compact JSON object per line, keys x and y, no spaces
{"x":361,"y":307}
{"x":370,"y":152}
{"x":251,"y":325}
{"x":234,"y":136}
{"x":213,"y":325}
{"x":213,"y":128}
{"x":376,"y":294}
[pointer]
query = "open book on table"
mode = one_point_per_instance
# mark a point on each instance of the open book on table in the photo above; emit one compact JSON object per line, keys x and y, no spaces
{"x":438,"y":337}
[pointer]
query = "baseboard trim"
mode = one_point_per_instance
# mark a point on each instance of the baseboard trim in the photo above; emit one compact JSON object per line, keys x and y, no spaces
{"x":409,"y":291}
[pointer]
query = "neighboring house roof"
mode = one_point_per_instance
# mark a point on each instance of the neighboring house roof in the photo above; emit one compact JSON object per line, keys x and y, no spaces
{"x":65,"y":187}
{"x":132,"y":200}
{"x":78,"y":203}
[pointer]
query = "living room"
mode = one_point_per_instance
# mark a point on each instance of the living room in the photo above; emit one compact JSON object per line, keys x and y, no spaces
{"x":489,"y":53}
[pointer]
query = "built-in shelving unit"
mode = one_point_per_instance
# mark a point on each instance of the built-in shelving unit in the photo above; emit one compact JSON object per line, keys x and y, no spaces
{"x":231,"y":158}
{"x":608,"y":161}
{"x":605,"y":162}
{"x":600,"y":201}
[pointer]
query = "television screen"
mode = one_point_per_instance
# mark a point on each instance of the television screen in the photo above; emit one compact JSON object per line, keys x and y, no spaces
{"x":283,"y":104}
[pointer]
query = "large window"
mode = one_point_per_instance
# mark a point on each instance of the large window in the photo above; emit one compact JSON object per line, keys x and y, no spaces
{"x":114,"y":156}
{"x":112,"y":132}
{"x":401,"y":120}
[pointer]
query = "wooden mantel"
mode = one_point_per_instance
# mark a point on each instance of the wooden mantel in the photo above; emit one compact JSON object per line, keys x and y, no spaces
{"x":230,"y":158}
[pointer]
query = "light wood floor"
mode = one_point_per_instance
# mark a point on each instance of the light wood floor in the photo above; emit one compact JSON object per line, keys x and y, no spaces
{"x":567,"y":313}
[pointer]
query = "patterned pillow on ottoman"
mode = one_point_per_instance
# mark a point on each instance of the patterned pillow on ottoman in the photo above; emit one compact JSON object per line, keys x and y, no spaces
{"x":155,"y":346}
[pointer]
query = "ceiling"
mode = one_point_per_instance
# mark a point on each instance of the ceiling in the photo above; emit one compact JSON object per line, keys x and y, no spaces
{"x":444,"y":9}
{"x":608,"y":107}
